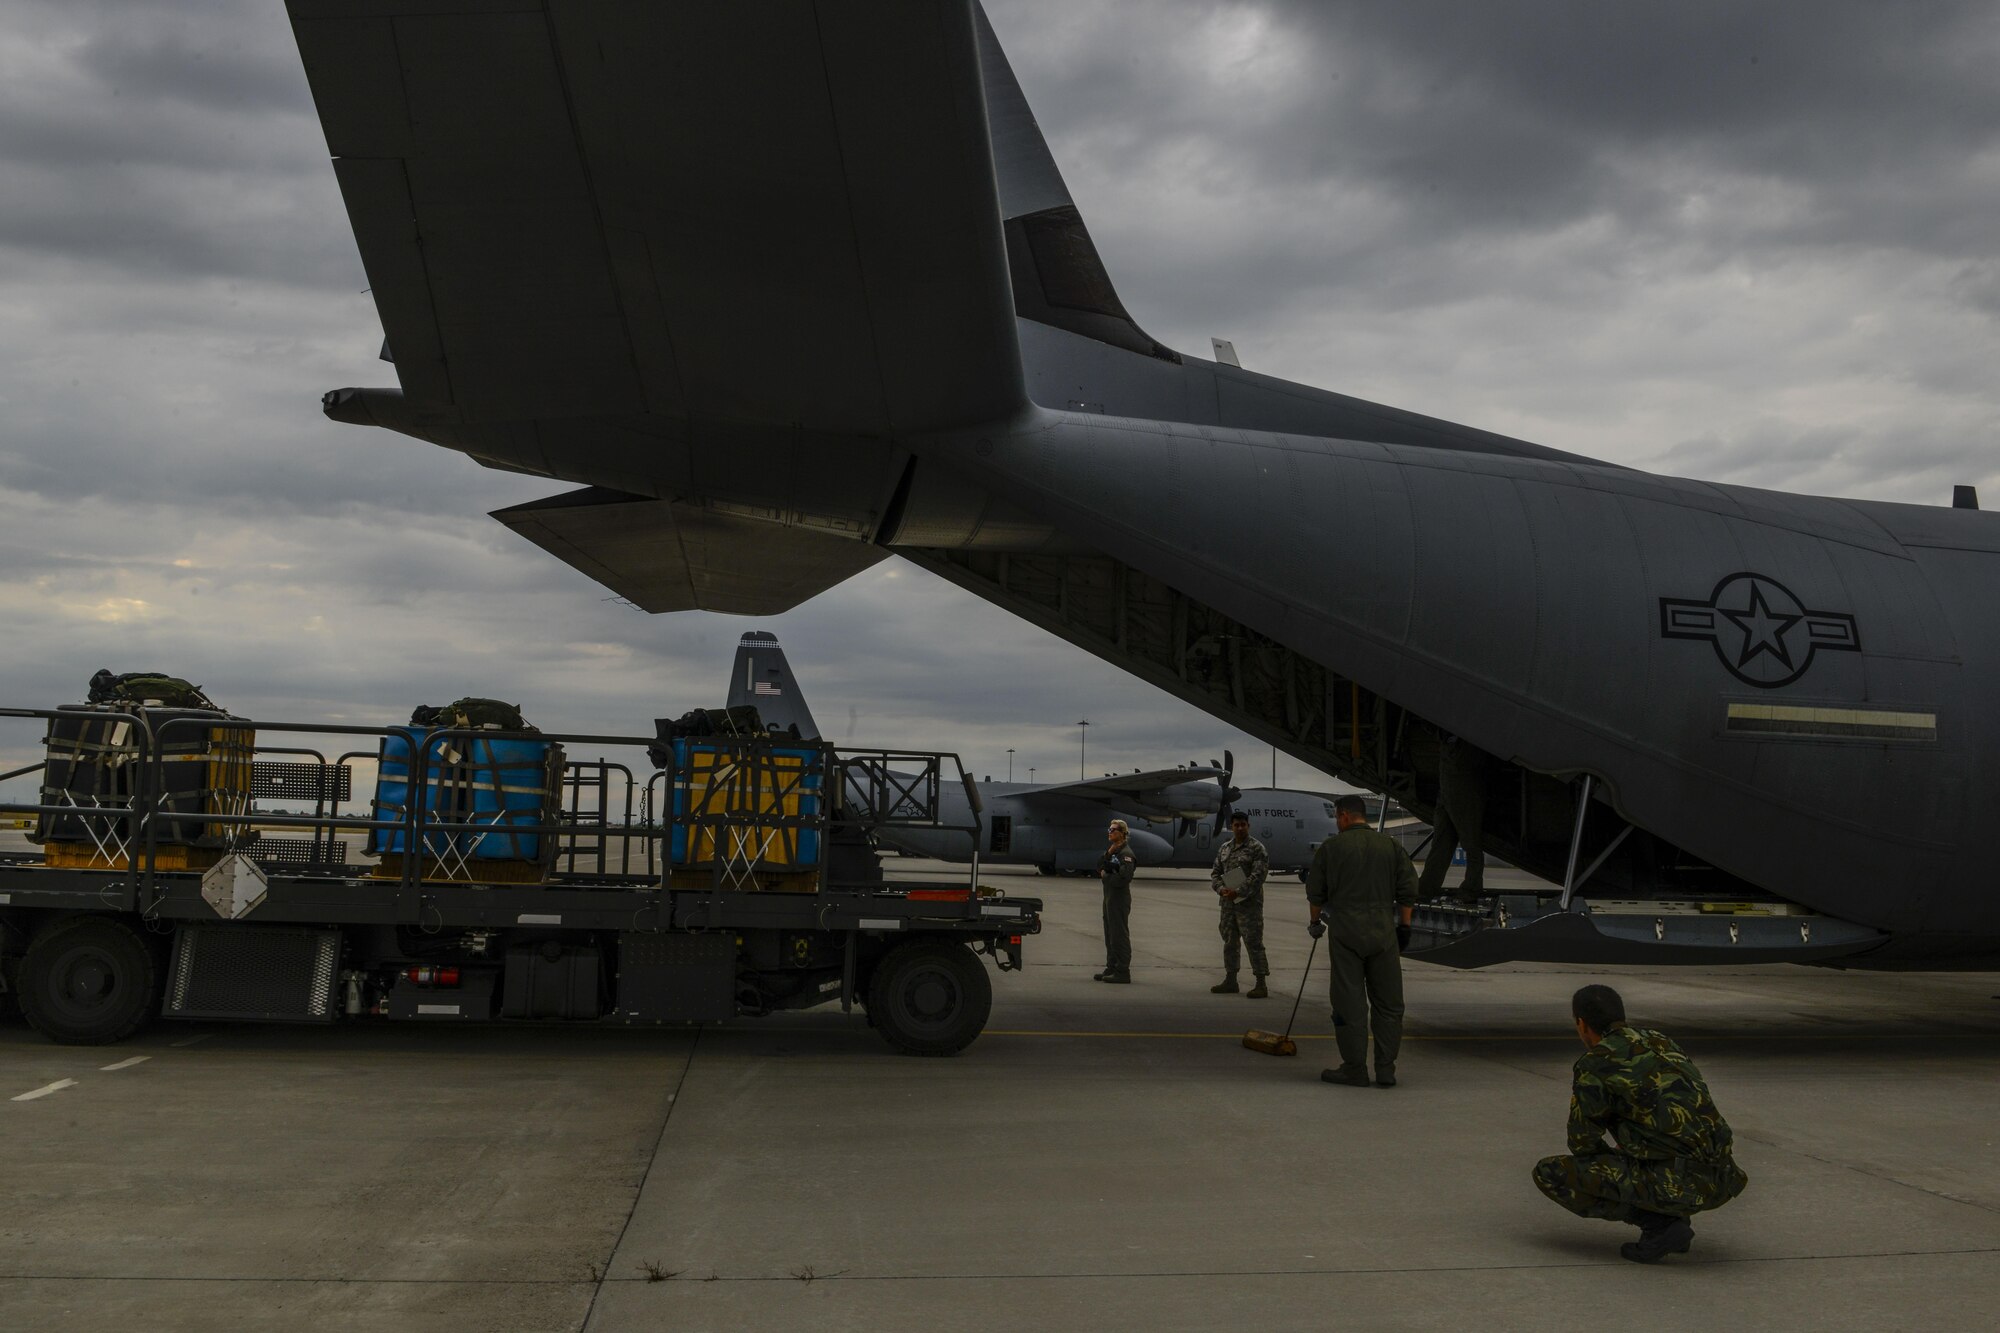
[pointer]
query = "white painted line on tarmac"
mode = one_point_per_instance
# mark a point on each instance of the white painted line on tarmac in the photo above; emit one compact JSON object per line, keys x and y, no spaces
{"x":124,"y":1064}
{"x":189,"y":1041}
{"x":56,"y":1086}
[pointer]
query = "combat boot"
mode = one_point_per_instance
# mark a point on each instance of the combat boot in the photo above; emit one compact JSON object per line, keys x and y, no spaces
{"x":1356,"y":1077}
{"x":1385,"y":1076}
{"x":1659,"y":1236}
{"x":1258,"y":991}
{"x":1228,"y":986}
{"x":1117,"y":978}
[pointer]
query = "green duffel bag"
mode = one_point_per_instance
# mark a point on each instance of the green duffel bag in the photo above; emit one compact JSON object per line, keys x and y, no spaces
{"x":471,"y":714}
{"x":137,"y":687}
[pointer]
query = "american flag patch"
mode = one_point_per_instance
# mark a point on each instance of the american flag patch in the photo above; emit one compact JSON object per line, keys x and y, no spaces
{"x":766,"y":687}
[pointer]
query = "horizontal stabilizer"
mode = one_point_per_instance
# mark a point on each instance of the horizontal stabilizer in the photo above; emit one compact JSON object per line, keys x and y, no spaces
{"x":663,"y":555}
{"x":771,"y":213}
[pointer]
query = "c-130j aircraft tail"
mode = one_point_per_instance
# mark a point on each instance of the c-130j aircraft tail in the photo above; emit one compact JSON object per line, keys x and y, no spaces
{"x":761,"y":678}
{"x":792,"y":287}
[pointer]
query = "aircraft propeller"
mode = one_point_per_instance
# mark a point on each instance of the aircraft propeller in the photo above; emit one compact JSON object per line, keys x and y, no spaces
{"x":1230,"y":795}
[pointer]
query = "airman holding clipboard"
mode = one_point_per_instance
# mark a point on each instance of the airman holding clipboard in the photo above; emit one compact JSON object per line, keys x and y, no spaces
{"x":1238,"y":881}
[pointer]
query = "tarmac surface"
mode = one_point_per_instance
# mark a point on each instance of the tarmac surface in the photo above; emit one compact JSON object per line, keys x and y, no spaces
{"x":1103,"y":1158}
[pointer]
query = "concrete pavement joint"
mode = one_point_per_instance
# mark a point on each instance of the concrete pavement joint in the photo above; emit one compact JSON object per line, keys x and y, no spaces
{"x":1872,"y":1175}
{"x":673,"y":1100}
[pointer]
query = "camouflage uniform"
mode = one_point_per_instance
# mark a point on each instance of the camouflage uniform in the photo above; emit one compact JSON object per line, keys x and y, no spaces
{"x":1243,"y":915}
{"x":1670,"y":1149}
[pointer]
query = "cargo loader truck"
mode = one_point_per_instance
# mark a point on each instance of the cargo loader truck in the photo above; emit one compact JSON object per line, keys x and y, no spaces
{"x":191,"y":867}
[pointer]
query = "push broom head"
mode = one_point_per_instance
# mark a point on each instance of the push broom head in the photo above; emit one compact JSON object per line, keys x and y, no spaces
{"x":1281,"y":1043}
{"x":1270,"y":1043}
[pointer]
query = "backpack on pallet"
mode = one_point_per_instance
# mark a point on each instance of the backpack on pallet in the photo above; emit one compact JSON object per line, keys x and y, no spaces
{"x":708,"y":723}
{"x":471,"y":714}
{"x":143,"y":687}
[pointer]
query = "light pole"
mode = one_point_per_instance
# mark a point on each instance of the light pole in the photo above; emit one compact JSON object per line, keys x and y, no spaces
{"x":1031,"y":772}
{"x":1082,"y":736}
{"x":1010,"y":763}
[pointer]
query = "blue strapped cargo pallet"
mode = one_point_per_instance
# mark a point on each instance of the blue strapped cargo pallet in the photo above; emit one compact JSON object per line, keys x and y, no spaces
{"x":507,"y":784}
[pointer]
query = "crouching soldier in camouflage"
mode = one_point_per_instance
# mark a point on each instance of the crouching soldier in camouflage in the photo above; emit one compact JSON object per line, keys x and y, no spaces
{"x":1670,"y":1150}
{"x":1238,"y":880}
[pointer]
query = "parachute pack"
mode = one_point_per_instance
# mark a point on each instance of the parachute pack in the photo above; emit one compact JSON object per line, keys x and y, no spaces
{"x":139,"y":687}
{"x":470,"y":714}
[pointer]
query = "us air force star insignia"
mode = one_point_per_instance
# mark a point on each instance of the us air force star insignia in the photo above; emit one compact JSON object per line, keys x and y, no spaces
{"x":1760,"y":631}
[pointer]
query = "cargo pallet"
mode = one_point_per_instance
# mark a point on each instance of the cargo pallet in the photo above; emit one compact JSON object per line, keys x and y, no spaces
{"x":285,"y":928}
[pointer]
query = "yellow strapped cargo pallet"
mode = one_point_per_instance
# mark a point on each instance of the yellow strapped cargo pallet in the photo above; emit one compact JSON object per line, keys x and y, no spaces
{"x":94,"y":759}
{"x":88,"y":856}
{"x":751,"y":786}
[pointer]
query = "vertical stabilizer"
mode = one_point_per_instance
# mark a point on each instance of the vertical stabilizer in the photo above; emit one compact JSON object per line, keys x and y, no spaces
{"x":1057,"y":276}
{"x":763,"y":678}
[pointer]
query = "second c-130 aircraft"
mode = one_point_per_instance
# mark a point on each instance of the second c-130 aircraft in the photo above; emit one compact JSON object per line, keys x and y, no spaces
{"x":793,"y":287}
{"x":1174,"y":816}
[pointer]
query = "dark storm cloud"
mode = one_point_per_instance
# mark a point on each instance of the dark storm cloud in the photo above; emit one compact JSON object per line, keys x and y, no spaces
{"x":117,"y":66}
{"x":244,"y":465}
{"x":164,"y":140}
{"x":204,"y":56}
{"x":1354,"y":137}
{"x":1511,"y":115}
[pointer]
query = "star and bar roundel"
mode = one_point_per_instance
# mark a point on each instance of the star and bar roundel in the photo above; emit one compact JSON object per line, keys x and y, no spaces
{"x":1760,"y":631}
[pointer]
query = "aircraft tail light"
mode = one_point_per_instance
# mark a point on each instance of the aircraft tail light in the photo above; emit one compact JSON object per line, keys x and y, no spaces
{"x":939,"y":895}
{"x":432,"y":976}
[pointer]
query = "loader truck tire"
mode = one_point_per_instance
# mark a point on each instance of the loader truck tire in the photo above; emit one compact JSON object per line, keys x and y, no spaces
{"x":89,"y":980}
{"x":930,"y":997}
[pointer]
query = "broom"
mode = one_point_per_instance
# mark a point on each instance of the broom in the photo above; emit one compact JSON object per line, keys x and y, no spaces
{"x":1273,"y":1043}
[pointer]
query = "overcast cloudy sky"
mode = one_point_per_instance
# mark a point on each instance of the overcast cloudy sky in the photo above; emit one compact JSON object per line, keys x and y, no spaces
{"x":1749,"y":243}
